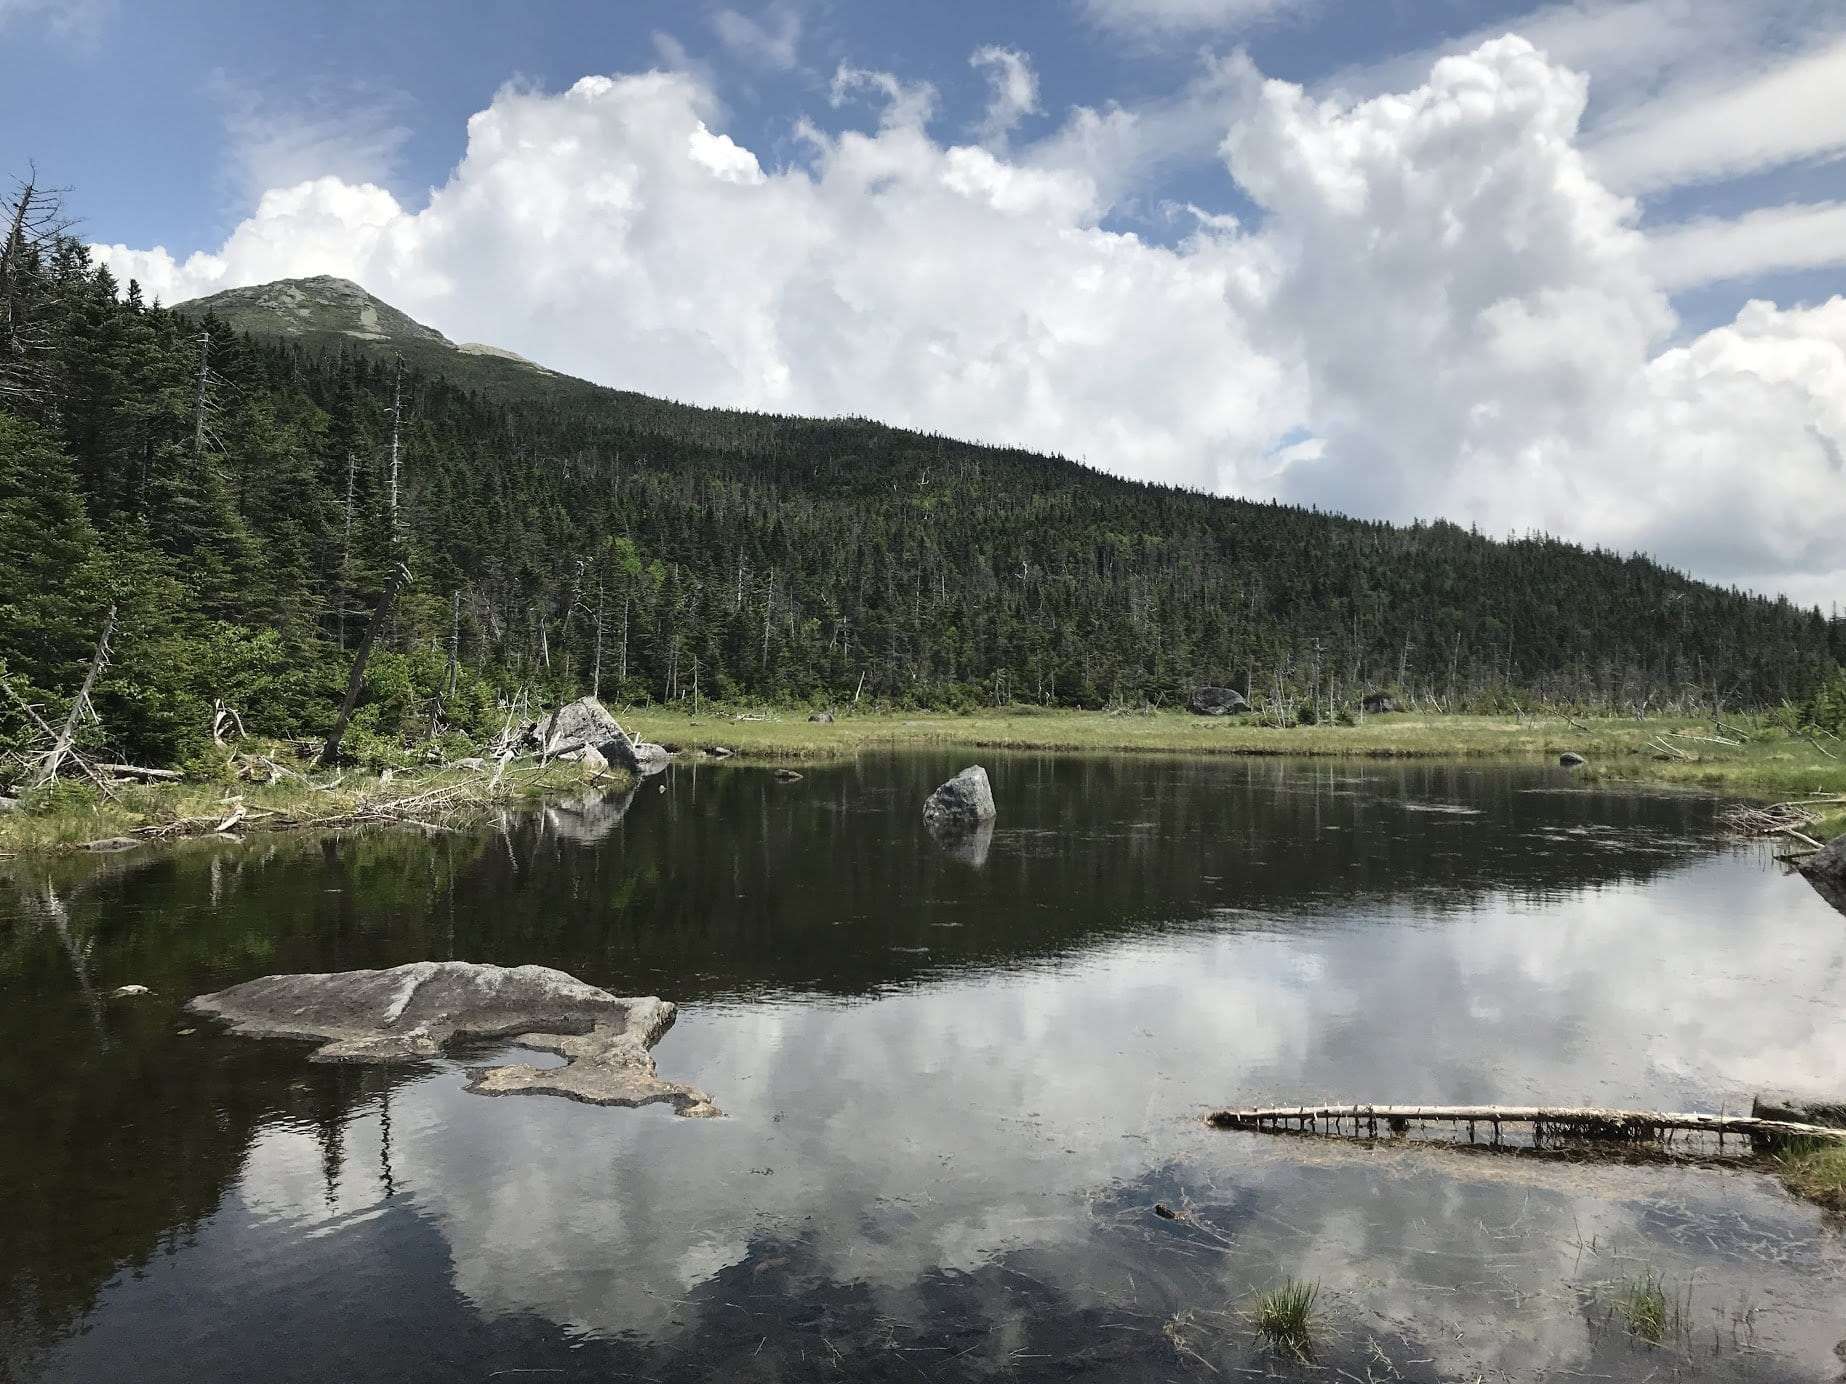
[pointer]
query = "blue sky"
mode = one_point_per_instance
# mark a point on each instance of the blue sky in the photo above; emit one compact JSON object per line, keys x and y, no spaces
{"x":1629,"y":227}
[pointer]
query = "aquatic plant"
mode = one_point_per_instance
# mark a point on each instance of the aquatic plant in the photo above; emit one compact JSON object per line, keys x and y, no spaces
{"x":1285,"y":1316}
{"x":1642,"y":1303}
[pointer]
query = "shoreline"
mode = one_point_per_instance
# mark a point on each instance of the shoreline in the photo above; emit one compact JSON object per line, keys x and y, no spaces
{"x":1664,"y":752}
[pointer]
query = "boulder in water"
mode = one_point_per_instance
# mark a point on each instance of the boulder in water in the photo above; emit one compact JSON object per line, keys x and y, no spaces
{"x":1216,"y":701}
{"x":1826,"y":871}
{"x":964,"y":802}
{"x":412,"y":1012}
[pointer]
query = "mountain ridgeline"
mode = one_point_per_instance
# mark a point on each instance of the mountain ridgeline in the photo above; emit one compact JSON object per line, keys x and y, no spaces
{"x":224,"y":476}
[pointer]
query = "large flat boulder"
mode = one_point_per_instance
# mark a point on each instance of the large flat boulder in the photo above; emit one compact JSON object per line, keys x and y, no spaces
{"x":1826,"y":871}
{"x":409,"y":1013}
{"x":964,"y":802}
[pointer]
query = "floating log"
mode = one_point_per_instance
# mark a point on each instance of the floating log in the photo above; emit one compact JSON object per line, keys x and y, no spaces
{"x":1576,"y":1122}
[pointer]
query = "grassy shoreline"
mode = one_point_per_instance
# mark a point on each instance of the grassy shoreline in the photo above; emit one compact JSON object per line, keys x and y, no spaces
{"x":1771,"y":765}
{"x":74,"y":816}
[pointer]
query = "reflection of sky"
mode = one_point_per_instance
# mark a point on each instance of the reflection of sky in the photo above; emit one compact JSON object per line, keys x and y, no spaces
{"x":951,"y":1124}
{"x":1010,"y":1124}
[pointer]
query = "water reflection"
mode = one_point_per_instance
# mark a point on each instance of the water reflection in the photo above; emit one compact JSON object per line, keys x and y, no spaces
{"x":954,"y":1093}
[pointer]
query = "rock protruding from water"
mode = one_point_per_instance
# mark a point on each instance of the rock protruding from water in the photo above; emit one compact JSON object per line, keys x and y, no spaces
{"x":1826,"y":871}
{"x":1216,"y":701}
{"x":963,"y":803}
{"x":412,"y":1012}
{"x":1570,"y":759}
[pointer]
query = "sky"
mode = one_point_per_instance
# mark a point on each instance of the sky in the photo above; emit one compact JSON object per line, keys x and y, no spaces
{"x":1577,"y":268}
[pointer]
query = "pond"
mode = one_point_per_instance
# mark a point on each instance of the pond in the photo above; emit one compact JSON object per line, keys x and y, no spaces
{"x":955,"y":1085}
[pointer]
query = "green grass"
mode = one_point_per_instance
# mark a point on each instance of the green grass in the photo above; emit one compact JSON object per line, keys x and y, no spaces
{"x":1643,"y":1304}
{"x":72,"y":812}
{"x":1817,"y":1173}
{"x":789,"y":734}
{"x":1286,"y":1317}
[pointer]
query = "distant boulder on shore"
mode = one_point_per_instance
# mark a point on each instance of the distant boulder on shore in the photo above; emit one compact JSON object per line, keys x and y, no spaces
{"x":963,"y":803}
{"x":1216,"y":701}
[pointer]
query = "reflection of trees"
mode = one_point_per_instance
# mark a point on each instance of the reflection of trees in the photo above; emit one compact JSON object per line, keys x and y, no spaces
{"x":122,"y":1134}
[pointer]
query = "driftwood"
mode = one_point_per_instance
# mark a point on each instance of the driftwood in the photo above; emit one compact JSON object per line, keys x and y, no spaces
{"x":1579,"y":1122}
{"x":135,"y":771}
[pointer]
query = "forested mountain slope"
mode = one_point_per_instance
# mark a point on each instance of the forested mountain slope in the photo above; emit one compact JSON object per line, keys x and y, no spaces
{"x":221,"y":474}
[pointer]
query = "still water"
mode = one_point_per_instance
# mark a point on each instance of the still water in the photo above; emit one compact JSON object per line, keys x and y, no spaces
{"x":956,"y":1083}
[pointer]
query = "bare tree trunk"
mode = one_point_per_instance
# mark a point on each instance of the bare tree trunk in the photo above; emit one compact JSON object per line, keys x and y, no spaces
{"x":355,"y":682}
{"x":596,"y":671}
{"x":198,"y":402}
{"x":98,"y":662}
{"x":346,"y":550}
{"x":397,"y":418}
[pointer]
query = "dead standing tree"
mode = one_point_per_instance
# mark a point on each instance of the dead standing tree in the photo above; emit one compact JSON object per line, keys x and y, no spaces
{"x":398,"y":578}
{"x":34,"y":218}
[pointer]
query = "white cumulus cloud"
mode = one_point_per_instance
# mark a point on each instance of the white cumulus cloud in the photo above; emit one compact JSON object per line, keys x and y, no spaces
{"x":1443,"y":310}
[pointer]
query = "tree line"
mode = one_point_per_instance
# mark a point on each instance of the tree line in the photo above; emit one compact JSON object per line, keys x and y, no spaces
{"x":241,"y":504}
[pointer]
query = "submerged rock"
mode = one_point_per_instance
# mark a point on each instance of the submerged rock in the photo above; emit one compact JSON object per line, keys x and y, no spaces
{"x":965,"y":801}
{"x":412,"y":1012}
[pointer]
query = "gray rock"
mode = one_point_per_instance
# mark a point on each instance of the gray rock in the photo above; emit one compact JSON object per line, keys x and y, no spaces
{"x":585,"y":721}
{"x":822,"y":718}
{"x":412,"y":1012}
{"x":965,"y":801}
{"x":9,"y":804}
{"x":1826,"y":871}
{"x":1216,"y":701}
{"x":1570,"y":759}
{"x":644,"y":758}
{"x":1779,"y":1105}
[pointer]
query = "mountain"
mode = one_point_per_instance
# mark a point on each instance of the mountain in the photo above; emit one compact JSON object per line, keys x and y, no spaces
{"x":327,"y":313}
{"x":232,"y":477}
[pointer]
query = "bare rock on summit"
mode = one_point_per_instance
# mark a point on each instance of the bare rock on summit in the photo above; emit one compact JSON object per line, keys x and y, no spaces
{"x":412,"y":1012}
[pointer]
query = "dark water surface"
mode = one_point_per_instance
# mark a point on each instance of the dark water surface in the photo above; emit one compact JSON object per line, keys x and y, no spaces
{"x":955,"y":1085}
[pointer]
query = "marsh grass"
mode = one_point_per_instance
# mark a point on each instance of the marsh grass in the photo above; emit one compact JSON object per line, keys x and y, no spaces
{"x":1816,"y":1171}
{"x":1286,"y":1317}
{"x":789,"y":734}
{"x":1647,"y":1308}
{"x":71,"y":812}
